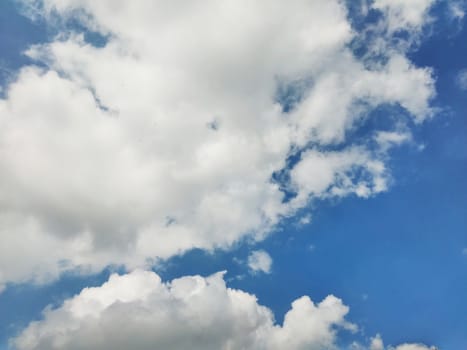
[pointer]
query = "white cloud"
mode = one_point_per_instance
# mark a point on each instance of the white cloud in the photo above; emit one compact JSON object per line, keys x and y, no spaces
{"x":377,"y":343}
{"x":305,"y":220}
{"x":456,"y":9}
{"x":260,"y":261}
{"x":108,"y":155}
{"x":403,"y":14}
{"x":389,"y":139}
{"x":413,"y":347}
{"x":326,"y":174}
{"x":138,"y":311}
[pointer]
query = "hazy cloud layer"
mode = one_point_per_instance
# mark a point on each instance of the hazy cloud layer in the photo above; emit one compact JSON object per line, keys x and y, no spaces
{"x":462,"y":79}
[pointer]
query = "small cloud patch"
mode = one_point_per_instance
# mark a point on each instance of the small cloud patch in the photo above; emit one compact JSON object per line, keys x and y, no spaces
{"x":260,"y":261}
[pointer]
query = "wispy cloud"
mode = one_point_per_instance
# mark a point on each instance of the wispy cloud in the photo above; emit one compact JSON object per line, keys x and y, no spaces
{"x":461,"y":79}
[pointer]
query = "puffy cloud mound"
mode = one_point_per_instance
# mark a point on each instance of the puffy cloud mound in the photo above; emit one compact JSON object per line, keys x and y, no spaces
{"x":377,"y":344}
{"x":138,"y":311}
{"x":169,"y":135}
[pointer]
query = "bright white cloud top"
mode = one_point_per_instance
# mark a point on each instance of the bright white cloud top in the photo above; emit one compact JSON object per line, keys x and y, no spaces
{"x":167,"y":137}
{"x":138,"y":311}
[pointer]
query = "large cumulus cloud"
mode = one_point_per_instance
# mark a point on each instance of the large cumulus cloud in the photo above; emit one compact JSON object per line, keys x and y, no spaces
{"x":138,"y":311}
{"x":168,"y":136}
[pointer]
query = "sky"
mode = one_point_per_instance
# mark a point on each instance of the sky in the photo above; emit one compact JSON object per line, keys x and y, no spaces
{"x":233,"y":175}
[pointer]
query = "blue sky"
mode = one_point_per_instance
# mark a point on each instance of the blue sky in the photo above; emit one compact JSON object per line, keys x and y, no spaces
{"x":396,"y":258}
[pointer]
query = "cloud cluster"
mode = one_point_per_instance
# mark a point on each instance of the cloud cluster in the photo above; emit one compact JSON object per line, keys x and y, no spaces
{"x":138,"y":311}
{"x":168,"y":135}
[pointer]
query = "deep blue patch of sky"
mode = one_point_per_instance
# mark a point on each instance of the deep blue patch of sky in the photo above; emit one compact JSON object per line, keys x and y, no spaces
{"x":17,"y":33}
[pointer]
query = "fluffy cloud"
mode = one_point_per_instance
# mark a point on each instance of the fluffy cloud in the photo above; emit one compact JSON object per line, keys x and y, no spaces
{"x":377,"y":344}
{"x":323,"y":174}
{"x":260,"y":261}
{"x":168,"y":136}
{"x":402,"y":14}
{"x":138,"y":311}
